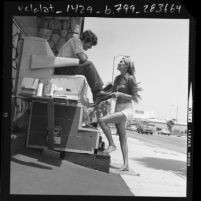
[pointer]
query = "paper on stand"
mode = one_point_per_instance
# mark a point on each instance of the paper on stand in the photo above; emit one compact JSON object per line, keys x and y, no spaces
{"x":29,"y":83}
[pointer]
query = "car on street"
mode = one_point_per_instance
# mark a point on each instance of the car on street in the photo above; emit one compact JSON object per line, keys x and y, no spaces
{"x":164,"y":132}
{"x":131,"y":128}
{"x":145,"y":129}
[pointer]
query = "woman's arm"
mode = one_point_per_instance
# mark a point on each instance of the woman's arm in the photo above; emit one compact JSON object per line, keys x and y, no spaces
{"x":123,"y":95}
{"x":133,"y":91}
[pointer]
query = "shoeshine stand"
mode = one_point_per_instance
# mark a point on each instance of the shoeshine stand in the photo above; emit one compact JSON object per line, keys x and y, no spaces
{"x":56,"y":123}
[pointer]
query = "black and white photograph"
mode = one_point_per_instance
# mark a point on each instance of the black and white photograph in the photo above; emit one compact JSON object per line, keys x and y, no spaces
{"x":100,"y":105}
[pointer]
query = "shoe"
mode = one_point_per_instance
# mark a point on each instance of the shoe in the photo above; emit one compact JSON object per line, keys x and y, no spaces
{"x":108,"y":87}
{"x":98,"y":99}
{"x":94,"y":124}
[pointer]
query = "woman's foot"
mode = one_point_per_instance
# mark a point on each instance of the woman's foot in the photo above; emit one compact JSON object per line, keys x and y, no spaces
{"x":110,"y":149}
{"x":124,"y":168}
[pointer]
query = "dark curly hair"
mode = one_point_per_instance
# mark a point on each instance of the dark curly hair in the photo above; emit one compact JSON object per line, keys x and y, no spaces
{"x":88,"y":36}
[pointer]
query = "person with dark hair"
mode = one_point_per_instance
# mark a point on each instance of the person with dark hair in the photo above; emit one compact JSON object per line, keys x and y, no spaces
{"x":89,"y":36}
{"x":125,"y":90}
{"x":75,"y":48}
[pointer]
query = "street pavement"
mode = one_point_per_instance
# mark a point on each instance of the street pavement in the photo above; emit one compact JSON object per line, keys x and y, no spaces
{"x":172,"y":142}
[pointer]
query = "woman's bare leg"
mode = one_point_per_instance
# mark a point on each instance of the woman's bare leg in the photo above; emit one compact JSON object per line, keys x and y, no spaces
{"x":103,"y":122}
{"x":123,"y":142}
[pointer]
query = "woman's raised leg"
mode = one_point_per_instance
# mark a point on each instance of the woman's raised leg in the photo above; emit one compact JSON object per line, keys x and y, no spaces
{"x":103,"y":122}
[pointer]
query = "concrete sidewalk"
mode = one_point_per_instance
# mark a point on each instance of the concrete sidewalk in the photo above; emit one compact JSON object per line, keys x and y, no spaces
{"x":154,"y":171}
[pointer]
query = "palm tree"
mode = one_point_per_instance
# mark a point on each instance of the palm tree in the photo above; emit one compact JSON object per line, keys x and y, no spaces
{"x":170,"y":124}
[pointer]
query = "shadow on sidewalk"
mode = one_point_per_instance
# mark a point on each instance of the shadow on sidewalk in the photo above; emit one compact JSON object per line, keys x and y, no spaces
{"x":36,"y":154}
{"x":31,"y":164}
{"x":176,"y":166}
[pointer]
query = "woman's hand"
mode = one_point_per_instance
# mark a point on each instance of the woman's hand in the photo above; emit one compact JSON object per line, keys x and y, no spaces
{"x":116,"y":94}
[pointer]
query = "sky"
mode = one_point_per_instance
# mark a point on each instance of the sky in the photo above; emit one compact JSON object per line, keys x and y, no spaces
{"x":159,"y":49}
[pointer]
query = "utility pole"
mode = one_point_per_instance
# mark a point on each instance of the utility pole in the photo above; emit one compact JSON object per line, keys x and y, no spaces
{"x":177,"y":113}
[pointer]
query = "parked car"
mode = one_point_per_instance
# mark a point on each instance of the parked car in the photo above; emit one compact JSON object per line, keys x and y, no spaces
{"x":131,"y":128}
{"x":164,"y":132}
{"x":145,"y":129}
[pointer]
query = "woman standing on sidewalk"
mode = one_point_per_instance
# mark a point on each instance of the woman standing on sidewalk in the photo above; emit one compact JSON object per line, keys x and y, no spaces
{"x":125,"y":90}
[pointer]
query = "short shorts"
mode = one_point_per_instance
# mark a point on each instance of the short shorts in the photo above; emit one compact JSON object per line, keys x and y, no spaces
{"x":126,"y":109}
